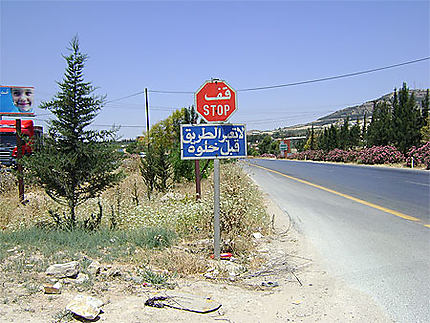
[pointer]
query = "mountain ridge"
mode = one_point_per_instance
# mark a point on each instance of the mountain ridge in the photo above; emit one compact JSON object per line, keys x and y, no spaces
{"x":354,"y":113}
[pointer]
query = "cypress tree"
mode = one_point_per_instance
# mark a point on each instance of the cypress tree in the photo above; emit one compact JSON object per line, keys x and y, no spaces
{"x":406,"y":120}
{"x":323,"y":140}
{"x":364,"y":131}
{"x":312,"y":138}
{"x":379,"y":131}
{"x":354,"y":135}
{"x":344,"y":134}
{"x":74,"y":163}
{"x":332,"y":138}
{"x":425,"y":109}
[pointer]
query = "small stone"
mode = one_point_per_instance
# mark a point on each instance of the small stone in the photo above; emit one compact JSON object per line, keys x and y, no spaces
{"x":233,"y":269}
{"x":94,"y":268}
{"x":211,"y":274}
{"x":82,"y":278}
{"x":137,"y":280}
{"x":114,"y":272}
{"x":70,"y":269}
{"x":52,"y":289}
{"x":232,"y":278}
{"x":257,"y":235}
{"x":269,"y":284}
{"x":14,"y":249}
{"x":86,"y":307}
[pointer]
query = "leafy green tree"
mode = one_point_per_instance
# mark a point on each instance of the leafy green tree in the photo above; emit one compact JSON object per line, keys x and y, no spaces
{"x":425,"y":109}
{"x":364,"y":130}
{"x":156,"y":169}
{"x":379,"y":132}
{"x":267,"y":145}
{"x":300,"y":144}
{"x":166,"y":135}
{"x":344,"y":134}
{"x":274,"y":147}
{"x":74,"y":163}
{"x":354,"y":135}
{"x":332,"y":138}
{"x":406,"y":120}
{"x":323,"y":140}
{"x":148,"y":170}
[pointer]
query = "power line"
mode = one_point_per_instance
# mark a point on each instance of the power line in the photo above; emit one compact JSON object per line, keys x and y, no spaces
{"x":125,"y":97}
{"x":103,"y":125}
{"x":335,"y":77}
{"x":301,"y":82}
{"x":171,"y":92}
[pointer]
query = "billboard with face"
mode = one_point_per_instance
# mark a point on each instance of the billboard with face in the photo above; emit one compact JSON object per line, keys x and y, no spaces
{"x":16,"y":100}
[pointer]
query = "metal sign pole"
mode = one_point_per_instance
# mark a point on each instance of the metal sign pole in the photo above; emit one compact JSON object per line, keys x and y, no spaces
{"x":216,"y":209}
{"x":198,"y":176}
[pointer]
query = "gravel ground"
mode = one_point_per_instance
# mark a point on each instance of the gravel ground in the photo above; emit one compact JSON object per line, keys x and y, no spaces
{"x":297,"y":289}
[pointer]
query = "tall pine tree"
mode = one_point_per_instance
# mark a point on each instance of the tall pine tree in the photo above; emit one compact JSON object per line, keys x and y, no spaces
{"x":425,"y":109}
{"x":354,"y":135}
{"x":425,"y":129}
{"x":75,"y":163}
{"x":344,"y":134}
{"x":364,"y":130}
{"x":379,"y":131}
{"x":406,"y":120}
{"x":333,"y":138}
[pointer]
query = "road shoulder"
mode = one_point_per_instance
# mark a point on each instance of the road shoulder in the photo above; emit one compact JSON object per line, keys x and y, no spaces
{"x":290,"y":286}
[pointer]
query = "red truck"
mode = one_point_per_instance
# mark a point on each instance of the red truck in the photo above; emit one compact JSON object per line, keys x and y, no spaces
{"x":8,"y":140}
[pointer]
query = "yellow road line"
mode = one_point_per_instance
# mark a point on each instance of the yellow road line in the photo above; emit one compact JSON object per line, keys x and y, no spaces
{"x":349,"y":197}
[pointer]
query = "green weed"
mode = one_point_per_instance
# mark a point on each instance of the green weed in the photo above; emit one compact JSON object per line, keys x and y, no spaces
{"x":58,"y":245}
{"x":153,"y":237}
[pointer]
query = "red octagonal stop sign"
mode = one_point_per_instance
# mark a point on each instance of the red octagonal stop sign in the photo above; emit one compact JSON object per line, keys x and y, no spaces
{"x":215,"y":101}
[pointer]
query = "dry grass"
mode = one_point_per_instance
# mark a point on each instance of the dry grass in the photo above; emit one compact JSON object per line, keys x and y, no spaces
{"x":126,"y":207}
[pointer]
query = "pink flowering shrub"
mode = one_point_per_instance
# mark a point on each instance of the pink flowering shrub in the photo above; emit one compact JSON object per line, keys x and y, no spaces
{"x":370,"y":156}
{"x":380,"y":155}
{"x":352,"y":156}
{"x":308,"y":155}
{"x":265,"y":155}
{"x":421,"y":155}
{"x":336,"y":155}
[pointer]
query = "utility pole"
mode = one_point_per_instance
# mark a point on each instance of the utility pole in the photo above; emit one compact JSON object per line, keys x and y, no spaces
{"x":19,"y":160}
{"x":147,"y":113}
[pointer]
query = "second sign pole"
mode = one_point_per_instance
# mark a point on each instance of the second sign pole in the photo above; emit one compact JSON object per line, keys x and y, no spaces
{"x":217,"y":234}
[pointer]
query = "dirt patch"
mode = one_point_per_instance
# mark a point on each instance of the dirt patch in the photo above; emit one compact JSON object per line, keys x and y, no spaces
{"x":288,"y":284}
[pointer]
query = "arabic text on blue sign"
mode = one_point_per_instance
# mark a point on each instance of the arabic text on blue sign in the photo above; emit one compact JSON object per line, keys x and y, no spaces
{"x":213,"y":141}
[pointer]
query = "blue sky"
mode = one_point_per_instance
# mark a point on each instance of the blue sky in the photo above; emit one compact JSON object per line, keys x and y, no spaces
{"x":177,"y":45}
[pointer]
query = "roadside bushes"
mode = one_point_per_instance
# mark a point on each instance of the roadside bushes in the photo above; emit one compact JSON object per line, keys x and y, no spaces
{"x":420,"y":155}
{"x":380,"y":155}
{"x":369,"y":156}
{"x":336,"y":155}
{"x":309,"y":155}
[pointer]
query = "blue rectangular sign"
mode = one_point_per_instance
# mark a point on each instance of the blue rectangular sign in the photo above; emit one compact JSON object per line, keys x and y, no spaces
{"x":16,"y":100}
{"x":210,"y":141}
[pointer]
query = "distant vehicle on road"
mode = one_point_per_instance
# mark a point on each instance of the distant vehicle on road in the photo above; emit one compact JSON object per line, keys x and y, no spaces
{"x":8,"y":140}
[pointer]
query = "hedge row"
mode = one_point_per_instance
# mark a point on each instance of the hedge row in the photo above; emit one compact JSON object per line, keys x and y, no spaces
{"x":370,"y":156}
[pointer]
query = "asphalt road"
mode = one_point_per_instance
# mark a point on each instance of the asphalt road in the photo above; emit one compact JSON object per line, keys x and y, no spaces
{"x":369,"y":224}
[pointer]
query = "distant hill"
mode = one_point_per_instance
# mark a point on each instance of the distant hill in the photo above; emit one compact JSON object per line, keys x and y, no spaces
{"x":358,"y":111}
{"x":338,"y":117}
